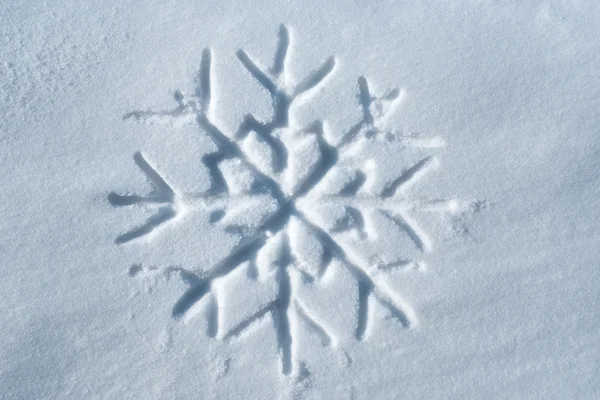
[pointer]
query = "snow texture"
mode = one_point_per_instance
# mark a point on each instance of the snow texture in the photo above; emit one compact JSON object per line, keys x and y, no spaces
{"x":326,"y":200}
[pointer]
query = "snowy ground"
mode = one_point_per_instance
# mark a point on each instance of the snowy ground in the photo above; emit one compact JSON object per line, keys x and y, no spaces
{"x":361,"y":200}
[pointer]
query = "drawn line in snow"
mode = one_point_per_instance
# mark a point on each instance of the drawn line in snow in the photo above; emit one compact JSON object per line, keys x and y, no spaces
{"x":249,"y":322}
{"x":271,"y":152}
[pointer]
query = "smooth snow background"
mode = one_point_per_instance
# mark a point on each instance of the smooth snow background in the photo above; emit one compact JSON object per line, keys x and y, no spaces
{"x":508,"y":310}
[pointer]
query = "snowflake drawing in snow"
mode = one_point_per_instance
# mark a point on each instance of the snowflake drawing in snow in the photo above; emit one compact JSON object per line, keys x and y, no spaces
{"x":317,"y":195}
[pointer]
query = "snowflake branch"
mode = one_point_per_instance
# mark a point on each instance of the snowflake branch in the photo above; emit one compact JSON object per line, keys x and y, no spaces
{"x":399,"y":309}
{"x":282,"y":320}
{"x":244,"y":251}
{"x":428,"y":205}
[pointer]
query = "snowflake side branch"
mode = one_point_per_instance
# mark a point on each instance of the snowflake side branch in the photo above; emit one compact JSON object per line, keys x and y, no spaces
{"x":416,"y":234}
{"x":203,"y":89}
{"x":257,"y":72}
{"x":265,"y":132}
{"x":279,"y":61}
{"x":156,"y":221}
{"x":183,"y":110}
{"x":365,"y":100}
{"x":327,"y":338}
{"x":410,"y":176}
{"x":314,"y":79}
{"x":368,"y":126}
{"x":186,"y":105}
{"x":232,"y":149}
{"x":163,"y":193}
{"x":249,"y":322}
{"x":163,"y":189}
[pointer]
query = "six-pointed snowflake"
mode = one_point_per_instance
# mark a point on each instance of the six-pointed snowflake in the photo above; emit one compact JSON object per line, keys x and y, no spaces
{"x":311,"y":191}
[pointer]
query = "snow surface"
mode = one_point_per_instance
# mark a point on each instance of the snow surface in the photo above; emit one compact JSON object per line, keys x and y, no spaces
{"x":449,"y":249}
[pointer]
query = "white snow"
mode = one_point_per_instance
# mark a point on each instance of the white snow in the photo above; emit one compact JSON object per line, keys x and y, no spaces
{"x":303,"y":200}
